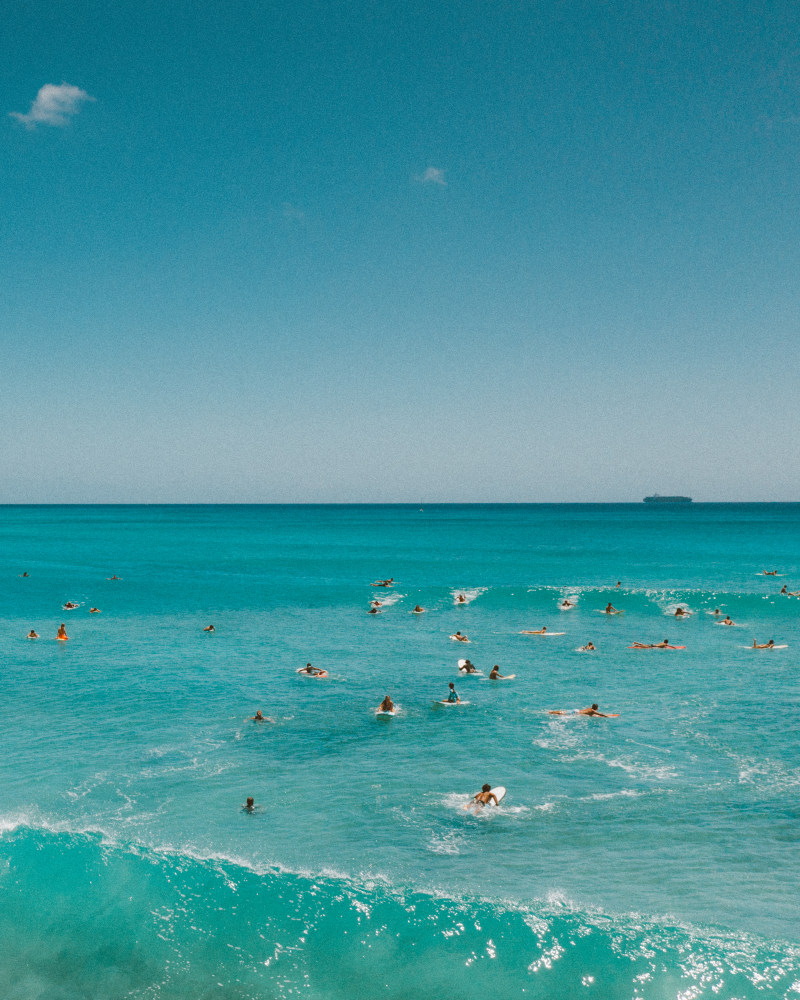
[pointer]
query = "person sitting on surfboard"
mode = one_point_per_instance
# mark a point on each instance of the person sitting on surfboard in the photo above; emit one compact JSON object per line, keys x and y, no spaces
{"x":461,"y":599}
{"x":591,"y":711}
{"x":209,"y":628}
{"x":467,"y":667}
{"x":764,"y":645}
{"x":610,"y":609}
{"x":418,"y":610}
{"x":483,"y":798}
{"x":387,"y":705}
{"x":62,"y":632}
{"x":588,"y":648}
{"x":784,"y":589}
{"x":453,"y":694}
{"x":495,"y":675}
{"x":33,"y":635}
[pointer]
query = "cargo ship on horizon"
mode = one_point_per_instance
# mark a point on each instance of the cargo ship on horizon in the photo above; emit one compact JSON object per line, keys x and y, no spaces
{"x":657,"y":498}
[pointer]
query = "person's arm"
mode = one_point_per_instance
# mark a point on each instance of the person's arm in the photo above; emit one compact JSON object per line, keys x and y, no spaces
{"x":493,"y":796}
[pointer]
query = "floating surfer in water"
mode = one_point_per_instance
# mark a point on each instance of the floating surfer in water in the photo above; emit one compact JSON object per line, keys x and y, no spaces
{"x":387,"y":705}
{"x":417,"y":610}
{"x":374,"y":611}
{"x":33,"y":635}
{"x":114,"y":577}
{"x":452,"y":694}
{"x":459,"y":637}
{"x":312,"y":671}
{"x":588,"y":648}
{"x":726,"y":621}
{"x":664,"y":644}
{"x":495,"y":675}
{"x":611,"y":610}
{"x":681,"y":612}
{"x":484,"y":798}
{"x":94,"y":611}
{"x":70,"y":606}
{"x":763,"y":645}
{"x":567,"y":603}
{"x":250,"y":805}
{"x":383,"y":583}
{"x":461,"y":599}
{"x":536,"y":631}
{"x":591,"y":711}
{"x":770,"y":572}
{"x":467,"y":667}
{"x":62,"y":633}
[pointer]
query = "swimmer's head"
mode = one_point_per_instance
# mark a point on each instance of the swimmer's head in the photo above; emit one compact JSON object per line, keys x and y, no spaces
{"x":451,"y":685}
{"x":250,"y":802}
{"x":486,"y":788}
{"x":594,"y":707}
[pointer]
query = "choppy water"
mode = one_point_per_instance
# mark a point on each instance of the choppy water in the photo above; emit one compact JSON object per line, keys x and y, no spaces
{"x":654,"y":855}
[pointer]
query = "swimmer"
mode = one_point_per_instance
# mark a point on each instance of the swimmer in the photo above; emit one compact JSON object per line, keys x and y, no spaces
{"x":453,"y":694}
{"x":495,"y":675}
{"x":114,"y":577}
{"x":467,"y":667}
{"x":33,"y":635}
{"x":94,"y":611}
{"x":387,"y":705}
{"x":209,"y":628}
{"x":374,"y":611}
{"x":619,"y":584}
{"x":459,"y":637}
{"x":62,"y":633}
{"x":483,"y":798}
{"x":417,"y":610}
{"x":680,"y":612}
{"x":727,"y":621}
{"x":610,"y":609}
{"x":69,"y":606}
{"x":591,"y":711}
{"x":716,"y":611}
{"x":764,"y":645}
{"x":770,"y":572}
{"x":588,"y":648}
{"x":383,"y":583}
{"x":537,"y":631}
{"x":25,"y":573}
{"x":784,"y":589}
{"x":313,"y":671}
{"x":249,"y":806}
{"x":258,"y":717}
{"x":461,"y":599}
{"x":376,"y":604}
{"x":566,"y":603}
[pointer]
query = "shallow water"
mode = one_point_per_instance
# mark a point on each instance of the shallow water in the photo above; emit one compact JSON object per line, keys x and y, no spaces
{"x":651,"y":855}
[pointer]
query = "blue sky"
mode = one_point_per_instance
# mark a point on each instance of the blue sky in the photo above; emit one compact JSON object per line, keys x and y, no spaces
{"x":360,"y":251}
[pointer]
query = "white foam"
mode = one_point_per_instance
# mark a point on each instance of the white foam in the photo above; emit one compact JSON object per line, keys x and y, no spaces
{"x":469,"y":594}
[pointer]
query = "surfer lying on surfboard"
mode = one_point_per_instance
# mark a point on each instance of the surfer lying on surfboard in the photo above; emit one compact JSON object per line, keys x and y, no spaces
{"x":654,"y":645}
{"x":484,"y":797}
{"x":459,"y":637}
{"x":763,"y":645}
{"x":387,"y":705}
{"x":312,"y":671}
{"x":591,"y":711}
{"x":383,"y":583}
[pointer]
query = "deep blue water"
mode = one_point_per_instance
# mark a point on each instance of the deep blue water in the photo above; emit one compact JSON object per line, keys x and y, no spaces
{"x":652,"y":855}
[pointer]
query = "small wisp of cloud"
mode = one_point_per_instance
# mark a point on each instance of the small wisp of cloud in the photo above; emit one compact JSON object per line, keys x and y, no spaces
{"x":54,"y":105}
{"x":433,"y":175}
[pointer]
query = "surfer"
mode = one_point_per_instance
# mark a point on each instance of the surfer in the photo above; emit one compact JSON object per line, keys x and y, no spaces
{"x":376,"y":604}
{"x":459,"y":637}
{"x":383,"y":583}
{"x":716,"y":611}
{"x":483,"y":798}
{"x":25,"y":573}
{"x":114,"y":577}
{"x":588,"y":648}
{"x":619,"y":584}
{"x":770,"y":572}
{"x":764,"y":645}
{"x":209,"y":628}
{"x":417,"y":610}
{"x":387,"y":705}
{"x":467,"y":667}
{"x":784,"y":589}
{"x":33,"y":635}
{"x":69,"y":606}
{"x":537,"y":631}
{"x":62,"y":633}
{"x":567,"y":603}
{"x":611,"y":610}
{"x":94,"y":611}
{"x":453,"y":694}
{"x":495,"y":675}
{"x":591,"y":711}
{"x":250,"y":805}
{"x":374,"y":611}
{"x":680,"y":612}
{"x":461,"y":599}
{"x":727,"y":621}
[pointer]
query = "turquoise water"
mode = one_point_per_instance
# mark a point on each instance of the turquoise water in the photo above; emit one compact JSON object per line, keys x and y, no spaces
{"x":653,"y":855}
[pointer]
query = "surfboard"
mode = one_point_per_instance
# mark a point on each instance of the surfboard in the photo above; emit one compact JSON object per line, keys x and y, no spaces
{"x":656,"y":647}
{"x":462,"y":702}
{"x":459,"y":638}
{"x":602,"y":611}
{"x":506,"y":677}
{"x":305,"y":673}
{"x":380,"y":714}
{"x":758,"y":648}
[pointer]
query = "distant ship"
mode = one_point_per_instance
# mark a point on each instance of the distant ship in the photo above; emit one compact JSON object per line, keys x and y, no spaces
{"x":657,"y":498}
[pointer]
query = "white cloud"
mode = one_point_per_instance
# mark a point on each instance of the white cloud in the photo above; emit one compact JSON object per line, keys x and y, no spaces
{"x":433,"y":176}
{"x":53,"y":105}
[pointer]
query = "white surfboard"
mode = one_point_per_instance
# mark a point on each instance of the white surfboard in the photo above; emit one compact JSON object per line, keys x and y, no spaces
{"x":462,"y":702}
{"x":759,"y":648}
{"x":459,"y":638}
{"x":381,"y":713}
{"x":505,"y":677}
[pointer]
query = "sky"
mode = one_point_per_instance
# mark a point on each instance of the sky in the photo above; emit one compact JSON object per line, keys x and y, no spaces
{"x":381,"y":252}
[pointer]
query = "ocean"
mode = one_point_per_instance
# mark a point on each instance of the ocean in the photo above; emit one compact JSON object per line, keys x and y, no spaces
{"x":653,"y":855}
